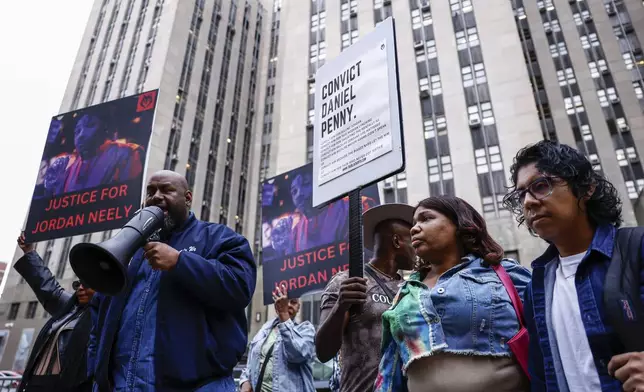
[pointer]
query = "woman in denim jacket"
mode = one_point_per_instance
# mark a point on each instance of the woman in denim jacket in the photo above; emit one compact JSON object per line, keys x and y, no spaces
{"x":448,"y":327}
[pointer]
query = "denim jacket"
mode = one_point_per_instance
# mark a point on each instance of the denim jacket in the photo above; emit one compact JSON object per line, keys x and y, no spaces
{"x":467,"y":312}
{"x":292,"y":356}
{"x":545,"y":366}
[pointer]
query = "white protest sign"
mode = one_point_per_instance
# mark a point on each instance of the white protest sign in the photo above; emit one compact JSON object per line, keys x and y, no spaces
{"x":357,"y":129}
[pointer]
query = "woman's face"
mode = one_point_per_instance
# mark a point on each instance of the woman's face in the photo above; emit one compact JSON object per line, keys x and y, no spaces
{"x":433,"y":234}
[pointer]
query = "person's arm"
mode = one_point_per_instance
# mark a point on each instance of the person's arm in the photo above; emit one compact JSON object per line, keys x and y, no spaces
{"x":297,"y":340}
{"x":225,"y":278}
{"x":48,"y":291}
{"x":244,"y":378}
{"x":333,"y":321}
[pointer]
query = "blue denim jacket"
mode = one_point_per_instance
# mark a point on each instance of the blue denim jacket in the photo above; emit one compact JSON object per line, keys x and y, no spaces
{"x":468,"y":312}
{"x":292,"y":356}
{"x":545,"y":365}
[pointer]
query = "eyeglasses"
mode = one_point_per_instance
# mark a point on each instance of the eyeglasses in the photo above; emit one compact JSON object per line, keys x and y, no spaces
{"x":76,"y":285}
{"x":539,"y":189}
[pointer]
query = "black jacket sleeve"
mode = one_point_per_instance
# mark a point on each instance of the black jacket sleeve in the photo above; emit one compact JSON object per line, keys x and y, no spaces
{"x":49,"y":292}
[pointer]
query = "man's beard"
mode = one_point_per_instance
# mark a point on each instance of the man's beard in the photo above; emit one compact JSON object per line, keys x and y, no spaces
{"x":169,"y":224}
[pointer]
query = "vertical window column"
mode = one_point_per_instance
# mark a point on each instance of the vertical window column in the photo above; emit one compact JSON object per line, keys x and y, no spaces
{"x":116,"y":53}
{"x":171,"y":155}
{"x":349,"y":22}
{"x":134,"y":44}
{"x":149,"y":45}
{"x":614,"y":115}
{"x":534,"y":71}
{"x":485,"y":139}
{"x":629,"y":44}
{"x":267,"y":127}
{"x":570,"y":91}
{"x":439,"y":161}
{"x":317,"y":56}
{"x":88,"y":56}
{"x":209,"y":184}
{"x":234,"y":121}
{"x":250,"y":112}
{"x":102,"y":54}
{"x":202,"y":98}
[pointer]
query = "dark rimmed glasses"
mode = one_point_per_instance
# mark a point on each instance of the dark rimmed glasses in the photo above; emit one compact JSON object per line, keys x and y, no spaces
{"x":539,"y":189}
{"x":76,"y":285}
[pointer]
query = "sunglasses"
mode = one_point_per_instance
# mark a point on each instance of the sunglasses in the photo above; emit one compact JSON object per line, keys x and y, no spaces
{"x":76,"y":285}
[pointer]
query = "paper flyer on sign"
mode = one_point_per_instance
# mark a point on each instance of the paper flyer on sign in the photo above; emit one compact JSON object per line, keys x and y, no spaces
{"x":355,"y":117}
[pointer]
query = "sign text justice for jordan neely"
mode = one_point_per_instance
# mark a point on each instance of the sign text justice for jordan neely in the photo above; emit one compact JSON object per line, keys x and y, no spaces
{"x":337,"y":96}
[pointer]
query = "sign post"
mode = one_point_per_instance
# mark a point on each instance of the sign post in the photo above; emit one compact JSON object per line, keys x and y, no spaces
{"x":358,"y":133}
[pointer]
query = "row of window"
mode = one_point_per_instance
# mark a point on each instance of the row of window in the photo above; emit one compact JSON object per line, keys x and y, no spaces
{"x":439,"y":163}
{"x":215,"y":134}
{"x":202,"y":97}
{"x":116,"y":53}
{"x":234,"y":121}
{"x":250,"y":112}
{"x":134,"y":44}
{"x":317,"y":58}
{"x":171,"y":156}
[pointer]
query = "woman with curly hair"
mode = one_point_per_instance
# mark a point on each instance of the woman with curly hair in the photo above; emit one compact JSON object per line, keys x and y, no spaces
{"x":574,"y":346}
{"x":449,"y":326}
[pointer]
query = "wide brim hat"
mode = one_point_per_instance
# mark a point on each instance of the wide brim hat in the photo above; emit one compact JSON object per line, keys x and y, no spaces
{"x":373,"y":216}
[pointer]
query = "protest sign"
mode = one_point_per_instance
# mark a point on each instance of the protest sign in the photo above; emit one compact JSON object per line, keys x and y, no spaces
{"x":357,"y":129}
{"x":303,"y":247}
{"x":91,"y":171}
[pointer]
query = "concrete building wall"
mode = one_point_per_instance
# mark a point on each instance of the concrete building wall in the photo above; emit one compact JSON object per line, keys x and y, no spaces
{"x":155,"y":37}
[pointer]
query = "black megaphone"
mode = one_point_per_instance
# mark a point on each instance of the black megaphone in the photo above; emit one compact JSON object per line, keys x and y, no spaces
{"x":103,"y":267}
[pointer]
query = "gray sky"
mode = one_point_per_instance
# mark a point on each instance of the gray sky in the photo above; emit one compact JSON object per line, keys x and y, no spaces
{"x":38,"y":44}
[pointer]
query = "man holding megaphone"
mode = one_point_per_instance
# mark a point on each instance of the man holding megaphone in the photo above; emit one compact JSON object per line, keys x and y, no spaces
{"x":179,"y":324}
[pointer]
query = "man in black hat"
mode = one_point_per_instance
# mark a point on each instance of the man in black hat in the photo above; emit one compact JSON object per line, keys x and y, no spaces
{"x":358,"y":336}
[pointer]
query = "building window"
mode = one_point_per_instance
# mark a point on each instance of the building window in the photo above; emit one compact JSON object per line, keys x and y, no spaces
{"x":582,"y":17}
{"x":590,"y":40}
{"x":13,"y":311}
{"x":435,"y":169}
{"x":597,"y":68}
{"x":551,"y":26}
{"x":566,"y":77}
{"x":461,"y":5}
{"x":624,"y":155}
{"x":545,"y":5}
{"x":574,"y":104}
{"x":607,"y":96}
{"x":318,"y":51}
{"x":318,"y":21}
{"x":629,"y":61}
{"x":31,"y":309}
{"x":639,"y":91}
{"x":467,"y":38}
{"x":558,"y":49}
{"x":348,"y":8}
{"x":471,"y":73}
{"x":482,"y":163}
{"x":420,"y":19}
{"x":585,"y":132}
{"x":349,"y":38}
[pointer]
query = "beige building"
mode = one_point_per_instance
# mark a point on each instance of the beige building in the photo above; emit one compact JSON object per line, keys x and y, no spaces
{"x":206,"y":57}
{"x":479,"y":80}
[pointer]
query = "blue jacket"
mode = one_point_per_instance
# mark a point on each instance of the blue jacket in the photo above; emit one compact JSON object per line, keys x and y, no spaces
{"x":545,"y":365}
{"x":292,"y":356}
{"x":468,"y":312}
{"x":201,"y":326}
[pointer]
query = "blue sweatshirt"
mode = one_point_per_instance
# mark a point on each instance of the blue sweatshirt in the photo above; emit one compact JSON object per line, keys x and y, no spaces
{"x":200,"y":328}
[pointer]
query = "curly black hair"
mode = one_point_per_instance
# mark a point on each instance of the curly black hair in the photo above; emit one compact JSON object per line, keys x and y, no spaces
{"x":471,"y":230}
{"x":563,"y":161}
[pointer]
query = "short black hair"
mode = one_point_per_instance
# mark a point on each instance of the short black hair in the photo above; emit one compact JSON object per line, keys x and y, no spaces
{"x":385,"y":230}
{"x":567,"y":163}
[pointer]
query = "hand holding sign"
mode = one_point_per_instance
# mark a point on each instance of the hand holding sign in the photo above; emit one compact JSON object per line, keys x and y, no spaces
{"x":26,"y":248}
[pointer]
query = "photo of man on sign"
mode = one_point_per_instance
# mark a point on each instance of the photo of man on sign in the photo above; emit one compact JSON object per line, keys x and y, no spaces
{"x":303,"y":246}
{"x":91,"y":170}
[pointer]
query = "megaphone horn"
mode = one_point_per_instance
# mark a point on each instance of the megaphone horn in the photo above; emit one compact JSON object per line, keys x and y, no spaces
{"x":103,"y":267}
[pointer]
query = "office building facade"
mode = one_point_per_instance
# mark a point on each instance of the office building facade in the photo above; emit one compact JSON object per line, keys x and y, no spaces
{"x":479,"y":80}
{"x":206,"y":58}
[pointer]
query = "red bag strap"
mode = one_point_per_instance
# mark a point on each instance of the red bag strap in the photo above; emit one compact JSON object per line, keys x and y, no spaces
{"x":512,"y":292}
